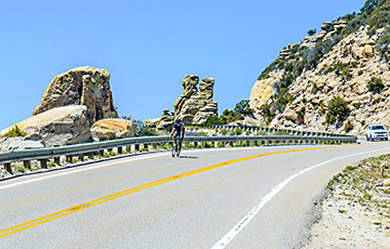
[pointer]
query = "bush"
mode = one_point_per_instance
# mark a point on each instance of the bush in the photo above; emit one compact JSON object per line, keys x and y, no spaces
{"x":229,"y":116}
{"x":214,"y":120}
{"x":15,"y":132}
{"x":348,"y":126}
{"x":338,"y":110}
{"x":375,"y":85}
{"x":140,"y":129}
{"x":357,"y":105}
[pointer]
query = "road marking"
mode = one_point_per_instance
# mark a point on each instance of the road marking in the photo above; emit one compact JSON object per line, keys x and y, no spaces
{"x":50,"y":217}
{"x":117,"y":161}
{"x":228,"y":237}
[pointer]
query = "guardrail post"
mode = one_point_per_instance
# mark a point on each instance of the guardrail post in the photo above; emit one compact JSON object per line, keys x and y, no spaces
{"x":101,"y":152}
{"x":120,"y":150}
{"x":90,"y":155}
{"x":128,"y":148}
{"x":69,"y":159}
{"x":203,"y":144}
{"x":27,"y":164}
{"x":146,"y":146}
{"x":196,"y":144}
{"x":8,"y":168}
{"x":136,"y":146}
{"x":43,"y":163}
{"x":81,"y":157}
{"x":57,"y":160}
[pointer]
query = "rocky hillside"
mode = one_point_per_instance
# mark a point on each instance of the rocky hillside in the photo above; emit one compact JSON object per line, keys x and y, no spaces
{"x":337,"y":80}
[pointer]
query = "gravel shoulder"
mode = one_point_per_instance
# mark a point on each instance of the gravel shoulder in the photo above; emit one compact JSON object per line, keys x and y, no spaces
{"x":355,"y":210}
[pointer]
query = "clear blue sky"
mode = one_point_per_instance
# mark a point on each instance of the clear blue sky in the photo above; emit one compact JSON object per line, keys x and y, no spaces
{"x":149,"y":46}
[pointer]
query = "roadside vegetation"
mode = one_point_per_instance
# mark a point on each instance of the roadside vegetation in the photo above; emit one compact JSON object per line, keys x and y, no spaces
{"x":15,"y":132}
{"x":364,"y":185}
{"x":228,"y":116}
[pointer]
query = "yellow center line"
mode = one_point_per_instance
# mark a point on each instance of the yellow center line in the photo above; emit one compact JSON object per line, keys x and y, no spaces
{"x":50,"y":217}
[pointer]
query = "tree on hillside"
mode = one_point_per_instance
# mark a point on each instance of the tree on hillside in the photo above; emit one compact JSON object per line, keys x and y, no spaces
{"x":243,"y":107}
{"x":338,"y":111}
{"x":311,"y":32}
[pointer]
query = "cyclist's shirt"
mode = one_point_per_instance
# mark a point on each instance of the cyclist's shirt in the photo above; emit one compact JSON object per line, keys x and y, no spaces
{"x":178,"y":128}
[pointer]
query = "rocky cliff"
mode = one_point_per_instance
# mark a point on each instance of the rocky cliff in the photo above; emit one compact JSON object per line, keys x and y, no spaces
{"x":86,"y":86}
{"x":345,"y":66}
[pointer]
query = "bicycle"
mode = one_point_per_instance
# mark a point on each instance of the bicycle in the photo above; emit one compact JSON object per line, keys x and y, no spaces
{"x":176,"y":148}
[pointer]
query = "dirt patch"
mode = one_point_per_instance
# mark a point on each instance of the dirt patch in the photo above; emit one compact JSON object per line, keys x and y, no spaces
{"x":356,"y":209}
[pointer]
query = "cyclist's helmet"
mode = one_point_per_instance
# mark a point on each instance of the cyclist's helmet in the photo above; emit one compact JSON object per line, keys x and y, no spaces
{"x":178,"y":121}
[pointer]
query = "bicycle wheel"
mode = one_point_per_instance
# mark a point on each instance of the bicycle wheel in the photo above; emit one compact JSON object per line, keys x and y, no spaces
{"x":173,"y":150}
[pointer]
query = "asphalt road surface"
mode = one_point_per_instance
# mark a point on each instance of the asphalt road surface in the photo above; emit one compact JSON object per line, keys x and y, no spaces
{"x":258,"y":197}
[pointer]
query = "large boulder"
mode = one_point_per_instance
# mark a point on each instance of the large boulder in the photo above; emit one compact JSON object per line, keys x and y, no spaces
{"x":86,"y":86}
{"x":58,"y":126}
{"x":107,"y":129}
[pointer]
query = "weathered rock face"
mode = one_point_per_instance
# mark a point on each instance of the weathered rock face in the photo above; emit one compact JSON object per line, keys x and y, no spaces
{"x":163,"y":124}
{"x":107,"y":129}
{"x":86,"y":86}
{"x":57,"y":126}
{"x":19,"y":143}
{"x":343,"y":72}
{"x":195,"y":106}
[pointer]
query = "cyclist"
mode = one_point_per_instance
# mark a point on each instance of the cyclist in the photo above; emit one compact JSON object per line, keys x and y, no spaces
{"x":178,"y":130}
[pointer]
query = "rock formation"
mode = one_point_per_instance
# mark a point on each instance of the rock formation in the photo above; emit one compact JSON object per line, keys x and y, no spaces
{"x":192,"y":107}
{"x":195,"y":106}
{"x":86,"y":86}
{"x":294,"y":92}
{"x":57,"y":126}
{"x":162,"y":124}
{"x":107,"y":129}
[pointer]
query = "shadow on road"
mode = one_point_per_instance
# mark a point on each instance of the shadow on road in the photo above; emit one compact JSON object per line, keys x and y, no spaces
{"x":189,"y":157}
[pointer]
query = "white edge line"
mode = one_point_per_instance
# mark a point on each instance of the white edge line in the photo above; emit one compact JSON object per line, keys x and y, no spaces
{"x":227,"y":238}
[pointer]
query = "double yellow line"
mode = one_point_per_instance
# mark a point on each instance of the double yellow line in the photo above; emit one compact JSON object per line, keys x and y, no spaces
{"x":47,"y":218}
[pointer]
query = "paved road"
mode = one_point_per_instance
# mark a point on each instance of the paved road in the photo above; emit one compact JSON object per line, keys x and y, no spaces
{"x":214,"y":198}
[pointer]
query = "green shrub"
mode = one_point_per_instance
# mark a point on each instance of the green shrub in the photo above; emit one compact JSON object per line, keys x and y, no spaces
{"x":357,"y":105}
{"x":221,"y":144}
{"x":214,"y":120}
{"x":348,"y":126}
{"x":202,"y":134}
{"x":229,"y":116}
{"x":360,"y":72}
{"x":338,"y":110}
{"x":238,"y":131}
{"x":15,"y":132}
{"x":20,"y":169}
{"x":51,"y":164}
{"x":363,"y":122}
{"x":375,"y":85}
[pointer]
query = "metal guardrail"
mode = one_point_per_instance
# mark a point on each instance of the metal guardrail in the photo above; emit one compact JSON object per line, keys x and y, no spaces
{"x":80,"y":149}
{"x":257,"y":128}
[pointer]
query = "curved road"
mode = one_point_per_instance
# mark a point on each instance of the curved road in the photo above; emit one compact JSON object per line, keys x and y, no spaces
{"x":258,"y":197}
